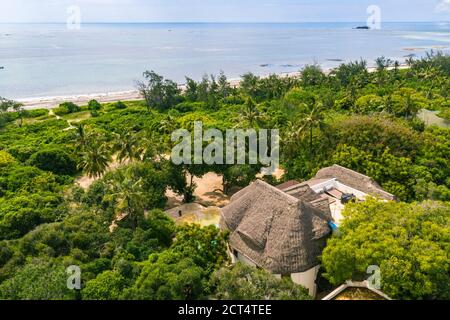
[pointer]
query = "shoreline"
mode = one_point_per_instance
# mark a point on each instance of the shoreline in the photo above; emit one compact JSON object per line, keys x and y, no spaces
{"x":107,"y":97}
{"x":129,"y":95}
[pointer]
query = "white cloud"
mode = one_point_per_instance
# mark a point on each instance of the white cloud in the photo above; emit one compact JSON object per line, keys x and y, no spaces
{"x":443,"y":6}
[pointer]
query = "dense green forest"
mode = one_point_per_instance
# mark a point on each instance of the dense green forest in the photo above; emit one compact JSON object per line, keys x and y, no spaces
{"x":366,"y":121}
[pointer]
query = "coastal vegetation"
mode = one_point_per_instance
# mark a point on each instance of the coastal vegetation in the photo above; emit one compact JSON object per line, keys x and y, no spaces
{"x":128,"y":248}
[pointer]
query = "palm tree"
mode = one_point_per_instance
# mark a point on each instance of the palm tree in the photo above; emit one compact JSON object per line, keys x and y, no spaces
{"x":292,"y":137}
{"x":411,"y":107}
{"x":249,"y":114}
{"x":428,"y":75}
{"x":128,"y":147}
{"x":154,"y":146}
{"x":312,"y":118}
{"x":129,"y":196}
{"x":81,"y":136}
{"x":95,"y":159}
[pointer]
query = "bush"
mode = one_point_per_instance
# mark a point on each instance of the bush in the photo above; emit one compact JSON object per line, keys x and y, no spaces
{"x":107,"y":286}
{"x":167,"y":276}
{"x":18,"y":177}
{"x":24,"y":213}
{"x":94,"y":105}
{"x":38,"y":280}
{"x":312,"y":75}
{"x":185,"y":107}
{"x":61,"y":111}
{"x":369,"y":104}
{"x":55,"y":160}
{"x":243,"y":282}
{"x":66,"y":108}
{"x":120,"y":105}
{"x":6,"y":159}
{"x":35,"y":113}
{"x":445,"y":114}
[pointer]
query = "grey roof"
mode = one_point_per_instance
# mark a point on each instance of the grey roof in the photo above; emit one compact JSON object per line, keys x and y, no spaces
{"x":352,"y":179}
{"x":277,"y":231}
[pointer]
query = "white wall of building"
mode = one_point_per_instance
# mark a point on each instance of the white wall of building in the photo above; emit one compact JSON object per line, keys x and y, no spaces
{"x":307,"y":279}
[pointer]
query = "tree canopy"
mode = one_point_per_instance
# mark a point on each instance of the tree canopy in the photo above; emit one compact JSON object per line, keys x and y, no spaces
{"x":408,"y":242}
{"x":86,"y":185}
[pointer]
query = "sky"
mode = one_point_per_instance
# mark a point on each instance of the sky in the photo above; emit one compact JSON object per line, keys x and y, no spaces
{"x":223,"y":10}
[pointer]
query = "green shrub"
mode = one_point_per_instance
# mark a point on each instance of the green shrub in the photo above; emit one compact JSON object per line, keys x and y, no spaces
{"x":94,"y":105}
{"x":95,"y":113}
{"x":35,"y":113}
{"x":61,"y":111}
{"x":66,"y":108}
{"x":244,"y":282}
{"x":55,"y":160}
{"x":6,"y":159}
{"x":106,"y":286}
{"x":120,"y":105}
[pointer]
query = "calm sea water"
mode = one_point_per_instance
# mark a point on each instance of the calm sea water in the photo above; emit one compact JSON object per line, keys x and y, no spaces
{"x":41,"y":60}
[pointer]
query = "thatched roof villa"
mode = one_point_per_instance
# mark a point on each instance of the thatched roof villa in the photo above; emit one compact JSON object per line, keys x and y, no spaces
{"x":284,"y":229}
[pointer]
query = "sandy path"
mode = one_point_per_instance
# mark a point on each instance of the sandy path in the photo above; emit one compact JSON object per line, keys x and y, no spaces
{"x":207,"y":193}
{"x":209,"y":190}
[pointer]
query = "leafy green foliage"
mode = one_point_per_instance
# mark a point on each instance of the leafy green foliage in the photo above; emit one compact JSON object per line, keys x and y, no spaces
{"x":206,"y":246}
{"x":243,"y":282}
{"x":158,"y":93}
{"x":409,"y":242}
{"x":94,"y":105}
{"x":66,"y":108}
{"x":167,"y":277}
{"x":55,"y":160}
{"x":6,"y":159}
{"x":106,"y":286}
{"x":38,"y":280}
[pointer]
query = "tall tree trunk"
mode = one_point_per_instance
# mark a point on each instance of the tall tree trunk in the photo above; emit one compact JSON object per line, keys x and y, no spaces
{"x":131,"y":216}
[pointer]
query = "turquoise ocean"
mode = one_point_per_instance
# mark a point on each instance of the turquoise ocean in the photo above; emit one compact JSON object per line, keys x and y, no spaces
{"x":44,"y":60}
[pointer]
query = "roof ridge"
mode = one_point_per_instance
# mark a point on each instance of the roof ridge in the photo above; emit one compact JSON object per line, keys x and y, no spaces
{"x":371,"y":180}
{"x":353,"y":171}
{"x":278,"y":191}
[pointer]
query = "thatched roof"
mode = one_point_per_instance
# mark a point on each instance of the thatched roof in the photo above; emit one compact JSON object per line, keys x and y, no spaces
{"x":305,"y":193}
{"x":277,"y":231}
{"x":353,"y":179}
{"x":288,"y":184}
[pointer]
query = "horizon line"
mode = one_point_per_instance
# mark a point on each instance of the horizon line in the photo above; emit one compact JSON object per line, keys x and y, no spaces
{"x":220,"y":22}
